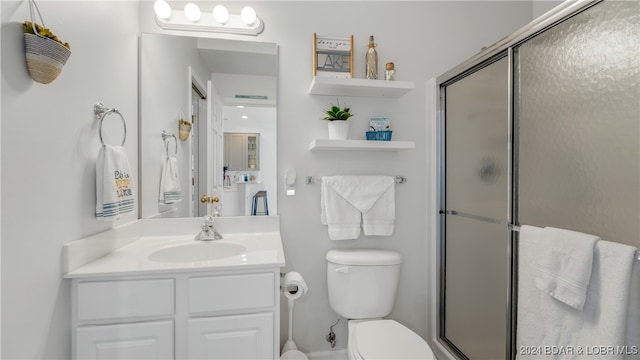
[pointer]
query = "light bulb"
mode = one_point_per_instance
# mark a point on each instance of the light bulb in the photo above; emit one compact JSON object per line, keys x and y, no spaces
{"x":192,"y":12}
{"x":248,"y":15}
{"x":162,"y":9}
{"x":221,"y":14}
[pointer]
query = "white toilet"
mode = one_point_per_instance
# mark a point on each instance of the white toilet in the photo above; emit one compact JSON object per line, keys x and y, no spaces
{"x":362,"y":288}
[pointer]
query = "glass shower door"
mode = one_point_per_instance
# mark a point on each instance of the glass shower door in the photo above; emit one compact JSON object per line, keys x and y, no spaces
{"x":578,"y":101}
{"x":475,"y":241}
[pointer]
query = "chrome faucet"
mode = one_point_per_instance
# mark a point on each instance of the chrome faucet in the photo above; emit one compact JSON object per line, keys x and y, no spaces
{"x":208,"y":233}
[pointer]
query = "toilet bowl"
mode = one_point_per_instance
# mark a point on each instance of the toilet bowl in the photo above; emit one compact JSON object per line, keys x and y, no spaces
{"x":385,"y":339}
{"x":362,"y":287}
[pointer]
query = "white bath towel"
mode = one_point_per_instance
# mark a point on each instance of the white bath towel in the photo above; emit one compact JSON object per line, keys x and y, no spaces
{"x":550,"y":329}
{"x":170,"y":191}
{"x":348,"y":201}
{"x":342,"y":219}
{"x":114,"y":184}
{"x":564,"y":265}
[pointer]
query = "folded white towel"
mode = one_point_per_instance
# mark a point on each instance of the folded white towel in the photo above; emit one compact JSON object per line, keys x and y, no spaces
{"x":546,"y":325}
{"x":114,"y":184}
{"x":346,"y":201}
{"x":564,"y":265}
{"x":343,"y":220}
{"x":381,"y":218}
{"x":170,"y":191}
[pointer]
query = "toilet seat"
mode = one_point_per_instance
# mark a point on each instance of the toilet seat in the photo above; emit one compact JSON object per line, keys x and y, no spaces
{"x":385,"y":339}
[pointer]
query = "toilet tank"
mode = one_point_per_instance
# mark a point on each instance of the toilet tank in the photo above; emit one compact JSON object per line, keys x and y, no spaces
{"x":363,"y":283}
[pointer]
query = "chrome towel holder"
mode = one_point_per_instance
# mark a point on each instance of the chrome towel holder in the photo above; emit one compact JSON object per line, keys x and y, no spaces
{"x":397,"y":178}
{"x":166,"y":137}
{"x":101,"y":111}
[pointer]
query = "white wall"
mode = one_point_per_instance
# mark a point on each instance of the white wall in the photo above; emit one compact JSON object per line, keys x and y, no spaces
{"x":540,"y":7}
{"x":164,"y":92}
{"x":49,"y":143}
{"x":49,"y":146}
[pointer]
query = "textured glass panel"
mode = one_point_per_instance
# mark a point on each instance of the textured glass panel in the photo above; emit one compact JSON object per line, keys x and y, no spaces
{"x":476,"y":287}
{"x":476,"y":142}
{"x":578,"y":117}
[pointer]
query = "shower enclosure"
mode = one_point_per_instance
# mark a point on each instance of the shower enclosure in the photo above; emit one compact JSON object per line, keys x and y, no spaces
{"x":542,"y":129}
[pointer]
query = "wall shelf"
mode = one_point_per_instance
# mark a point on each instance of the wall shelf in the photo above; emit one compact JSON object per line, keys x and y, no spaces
{"x":359,"y":87}
{"x":368,"y":145}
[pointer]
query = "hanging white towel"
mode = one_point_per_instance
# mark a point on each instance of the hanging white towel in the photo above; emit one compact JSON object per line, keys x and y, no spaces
{"x":564,"y":265}
{"x":348,"y":201}
{"x":114,"y":184}
{"x":550,"y":329}
{"x":170,"y":191}
{"x":343,"y":220}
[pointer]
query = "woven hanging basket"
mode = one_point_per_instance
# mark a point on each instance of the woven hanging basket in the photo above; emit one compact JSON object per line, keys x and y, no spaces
{"x":45,"y":57}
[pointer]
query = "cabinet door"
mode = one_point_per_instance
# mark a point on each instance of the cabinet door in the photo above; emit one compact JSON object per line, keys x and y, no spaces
{"x":235,"y":151}
{"x":151,"y":340}
{"x":231,"y":337}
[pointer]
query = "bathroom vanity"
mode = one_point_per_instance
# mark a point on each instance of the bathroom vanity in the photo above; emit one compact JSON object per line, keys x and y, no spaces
{"x":171,"y":297}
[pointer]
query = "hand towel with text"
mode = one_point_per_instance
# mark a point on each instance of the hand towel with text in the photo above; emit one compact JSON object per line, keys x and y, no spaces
{"x":114,"y":184}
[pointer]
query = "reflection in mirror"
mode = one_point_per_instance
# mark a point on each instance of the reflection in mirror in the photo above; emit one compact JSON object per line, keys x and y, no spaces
{"x":218,"y":86}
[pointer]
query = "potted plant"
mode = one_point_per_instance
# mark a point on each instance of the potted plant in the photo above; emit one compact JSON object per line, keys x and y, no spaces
{"x":337,"y":117}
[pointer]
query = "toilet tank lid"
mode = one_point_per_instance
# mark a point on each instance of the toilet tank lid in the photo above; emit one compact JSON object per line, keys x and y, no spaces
{"x":364,"y":257}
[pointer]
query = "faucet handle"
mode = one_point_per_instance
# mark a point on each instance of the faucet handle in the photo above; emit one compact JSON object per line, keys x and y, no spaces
{"x":208,"y":220}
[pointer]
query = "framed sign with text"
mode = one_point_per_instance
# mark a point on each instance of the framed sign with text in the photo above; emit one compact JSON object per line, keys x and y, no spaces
{"x":332,"y":56}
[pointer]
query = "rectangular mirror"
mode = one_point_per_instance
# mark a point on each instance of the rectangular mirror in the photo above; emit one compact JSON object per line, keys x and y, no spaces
{"x":218,"y":86}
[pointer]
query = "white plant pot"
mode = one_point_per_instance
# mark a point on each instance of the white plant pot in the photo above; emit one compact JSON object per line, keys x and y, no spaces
{"x":338,"y":129}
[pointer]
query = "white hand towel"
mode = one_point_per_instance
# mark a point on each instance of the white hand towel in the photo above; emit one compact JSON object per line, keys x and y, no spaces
{"x":361,"y":191}
{"x":381,"y":218}
{"x":114,"y":184}
{"x":170,"y":191}
{"x":564,"y":265}
{"x":342,"y":218}
{"x":348,"y":200}
{"x":546,"y":326}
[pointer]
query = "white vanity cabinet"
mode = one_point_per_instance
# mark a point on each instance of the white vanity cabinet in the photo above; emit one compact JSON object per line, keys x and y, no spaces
{"x":222,"y":314}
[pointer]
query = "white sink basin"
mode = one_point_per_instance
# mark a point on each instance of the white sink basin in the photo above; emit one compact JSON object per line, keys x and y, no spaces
{"x":197,"y":251}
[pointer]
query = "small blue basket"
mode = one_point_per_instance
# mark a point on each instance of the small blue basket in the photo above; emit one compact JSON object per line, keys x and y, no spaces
{"x":379,"y":135}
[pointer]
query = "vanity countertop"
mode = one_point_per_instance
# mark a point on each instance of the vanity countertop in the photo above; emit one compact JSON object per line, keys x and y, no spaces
{"x":263,"y":249}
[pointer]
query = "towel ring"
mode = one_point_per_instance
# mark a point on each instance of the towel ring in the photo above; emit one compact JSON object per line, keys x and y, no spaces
{"x":165,"y":138}
{"x":101,"y":112}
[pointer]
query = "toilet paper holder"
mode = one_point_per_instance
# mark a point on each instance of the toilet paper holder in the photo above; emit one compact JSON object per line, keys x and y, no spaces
{"x":291,"y":288}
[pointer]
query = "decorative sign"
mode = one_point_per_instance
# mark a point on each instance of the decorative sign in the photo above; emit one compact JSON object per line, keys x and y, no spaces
{"x":332,"y":56}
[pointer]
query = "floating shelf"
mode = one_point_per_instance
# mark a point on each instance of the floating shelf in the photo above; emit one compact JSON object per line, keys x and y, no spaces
{"x":369,"y":145}
{"x":359,"y":87}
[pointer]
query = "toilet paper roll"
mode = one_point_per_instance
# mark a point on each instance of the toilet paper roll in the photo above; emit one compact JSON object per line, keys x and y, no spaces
{"x":294,"y":279}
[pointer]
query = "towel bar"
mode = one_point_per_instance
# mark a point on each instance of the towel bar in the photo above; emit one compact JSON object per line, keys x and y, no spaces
{"x":101,"y":112}
{"x":165,"y":138}
{"x":513,"y":227}
{"x":312,"y":179}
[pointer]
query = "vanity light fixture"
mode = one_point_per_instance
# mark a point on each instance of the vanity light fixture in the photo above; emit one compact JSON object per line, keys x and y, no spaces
{"x":221,"y":14}
{"x":162,"y":9}
{"x":219,"y":20}
{"x":248,"y":15}
{"x":192,"y":12}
